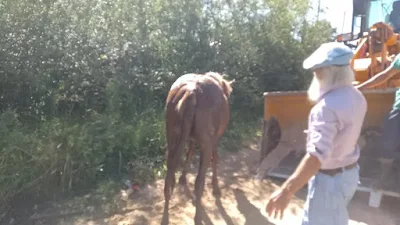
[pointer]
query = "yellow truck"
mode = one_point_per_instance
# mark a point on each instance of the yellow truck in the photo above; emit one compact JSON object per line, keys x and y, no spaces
{"x":375,"y":39}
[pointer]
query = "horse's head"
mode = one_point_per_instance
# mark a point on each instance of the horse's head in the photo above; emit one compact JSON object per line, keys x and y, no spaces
{"x":225,"y":84}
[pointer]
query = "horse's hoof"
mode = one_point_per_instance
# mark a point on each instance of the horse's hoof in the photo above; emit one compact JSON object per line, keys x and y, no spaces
{"x":182,"y":180}
{"x":216,"y":192}
{"x":197,"y":220}
{"x":164,"y":221}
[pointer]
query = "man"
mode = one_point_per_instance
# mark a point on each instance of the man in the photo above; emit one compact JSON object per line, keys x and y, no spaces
{"x":391,"y":126}
{"x":394,"y":16}
{"x":390,"y":141}
{"x":334,"y":125}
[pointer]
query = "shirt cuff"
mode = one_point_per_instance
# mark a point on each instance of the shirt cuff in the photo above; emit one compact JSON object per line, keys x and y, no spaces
{"x":312,"y":150}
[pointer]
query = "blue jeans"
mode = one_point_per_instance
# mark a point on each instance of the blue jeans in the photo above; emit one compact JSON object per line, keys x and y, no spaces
{"x":328,"y":198}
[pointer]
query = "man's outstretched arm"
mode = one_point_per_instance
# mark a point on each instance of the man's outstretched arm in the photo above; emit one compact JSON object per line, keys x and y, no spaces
{"x":307,"y":168}
{"x":380,"y":78}
{"x":322,"y":130}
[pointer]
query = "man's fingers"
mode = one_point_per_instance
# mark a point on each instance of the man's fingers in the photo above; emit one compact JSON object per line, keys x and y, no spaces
{"x":274,"y":211}
{"x":273,"y":214}
{"x":268,"y":208}
{"x":278,"y":214}
{"x":281,"y":211}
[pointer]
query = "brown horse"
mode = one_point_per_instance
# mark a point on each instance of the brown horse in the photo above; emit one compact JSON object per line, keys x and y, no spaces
{"x":197,"y":110}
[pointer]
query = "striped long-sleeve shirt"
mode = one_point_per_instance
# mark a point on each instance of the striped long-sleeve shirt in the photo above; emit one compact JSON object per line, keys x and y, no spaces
{"x":334,"y":126}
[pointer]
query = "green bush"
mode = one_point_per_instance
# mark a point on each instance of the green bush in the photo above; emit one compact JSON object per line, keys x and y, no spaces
{"x":62,"y":155}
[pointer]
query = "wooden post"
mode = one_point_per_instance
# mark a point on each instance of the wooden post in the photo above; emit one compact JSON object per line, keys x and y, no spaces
{"x":271,"y":135}
{"x":264,"y":141}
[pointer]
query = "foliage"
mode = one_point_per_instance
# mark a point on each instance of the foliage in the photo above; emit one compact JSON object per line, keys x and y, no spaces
{"x":83,"y":83}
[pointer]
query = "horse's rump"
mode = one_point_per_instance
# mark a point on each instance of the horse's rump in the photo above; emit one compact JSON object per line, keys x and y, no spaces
{"x":181,"y":104}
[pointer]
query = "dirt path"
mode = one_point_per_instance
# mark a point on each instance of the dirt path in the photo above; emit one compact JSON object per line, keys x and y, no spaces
{"x":242,"y":201}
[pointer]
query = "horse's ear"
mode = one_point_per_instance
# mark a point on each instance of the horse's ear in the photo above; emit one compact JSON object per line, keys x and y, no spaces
{"x":232,"y":81}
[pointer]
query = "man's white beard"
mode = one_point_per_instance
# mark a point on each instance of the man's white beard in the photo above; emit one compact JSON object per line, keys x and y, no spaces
{"x":330,"y":78}
{"x":315,"y":91}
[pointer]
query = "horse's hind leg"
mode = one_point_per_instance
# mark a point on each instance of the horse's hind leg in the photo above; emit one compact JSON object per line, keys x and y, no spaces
{"x":169,"y":186}
{"x":182,"y":179}
{"x":205,"y":157}
{"x":215,"y":160}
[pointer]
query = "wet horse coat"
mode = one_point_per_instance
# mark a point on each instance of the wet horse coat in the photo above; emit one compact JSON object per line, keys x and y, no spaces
{"x":197,"y":110}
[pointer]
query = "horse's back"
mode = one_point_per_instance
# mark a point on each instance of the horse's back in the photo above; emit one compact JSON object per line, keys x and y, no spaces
{"x":211,"y":107}
{"x":184,"y":80}
{"x":209,"y":92}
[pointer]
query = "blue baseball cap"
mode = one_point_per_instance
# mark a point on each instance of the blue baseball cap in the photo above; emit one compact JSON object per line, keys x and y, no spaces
{"x":329,"y":54}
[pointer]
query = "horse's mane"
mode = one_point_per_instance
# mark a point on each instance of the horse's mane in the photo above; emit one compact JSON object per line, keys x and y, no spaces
{"x":225,"y":84}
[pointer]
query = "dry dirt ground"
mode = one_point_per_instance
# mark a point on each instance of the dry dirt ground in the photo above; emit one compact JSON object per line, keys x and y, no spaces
{"x":242,"y":201}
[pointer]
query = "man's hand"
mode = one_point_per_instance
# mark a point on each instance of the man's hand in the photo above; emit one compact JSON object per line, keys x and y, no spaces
{"x":280,"y":199}
{"x":277,"y":203}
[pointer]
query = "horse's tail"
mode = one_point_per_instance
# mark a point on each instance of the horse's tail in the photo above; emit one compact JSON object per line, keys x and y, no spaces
{"x":185,"y":109}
